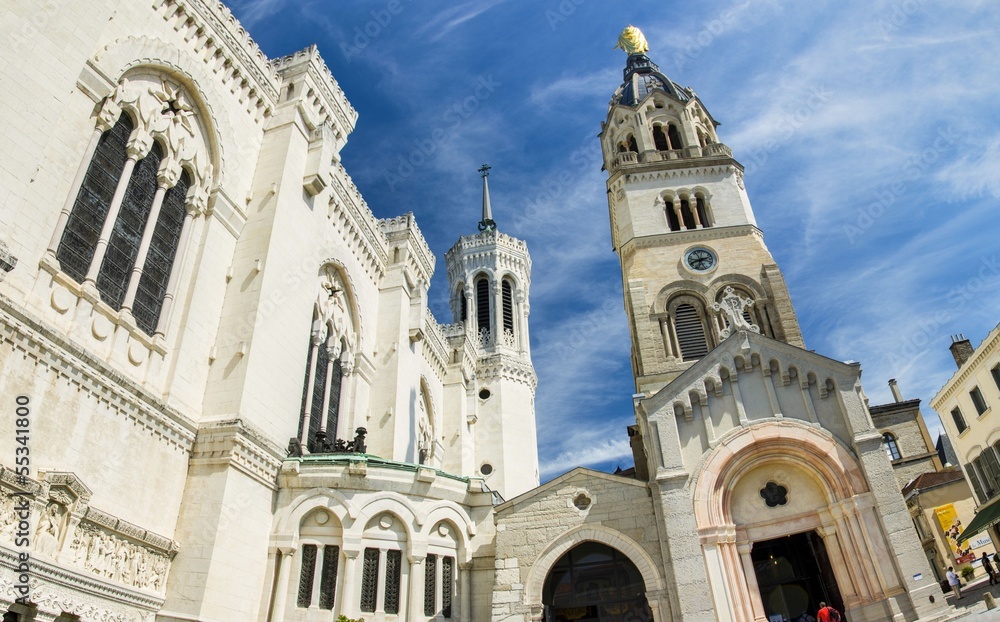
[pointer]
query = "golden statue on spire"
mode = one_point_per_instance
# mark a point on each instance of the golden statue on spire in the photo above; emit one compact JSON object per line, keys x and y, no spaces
{"x":632,"y":41}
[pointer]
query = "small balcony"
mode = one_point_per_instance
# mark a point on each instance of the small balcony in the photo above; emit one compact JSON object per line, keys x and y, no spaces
{"x":630,"y":158}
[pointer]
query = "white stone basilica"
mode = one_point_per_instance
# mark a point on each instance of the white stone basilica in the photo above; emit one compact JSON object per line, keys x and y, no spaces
{"x":237,"y":406}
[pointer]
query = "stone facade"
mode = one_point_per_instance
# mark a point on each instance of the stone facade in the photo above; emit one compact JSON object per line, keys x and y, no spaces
{"x":190,"y":280}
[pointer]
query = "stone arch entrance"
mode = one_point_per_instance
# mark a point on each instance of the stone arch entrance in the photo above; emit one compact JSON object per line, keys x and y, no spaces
{"x":593,"y":582}
{"x":785,"y":479}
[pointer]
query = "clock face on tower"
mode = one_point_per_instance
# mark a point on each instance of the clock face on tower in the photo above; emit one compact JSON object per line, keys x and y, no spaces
{"x":700,"y":259}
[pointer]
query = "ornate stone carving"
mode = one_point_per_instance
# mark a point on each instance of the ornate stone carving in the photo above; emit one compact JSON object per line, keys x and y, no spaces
{"x":118,"y":558}
{"x":732,"y":305}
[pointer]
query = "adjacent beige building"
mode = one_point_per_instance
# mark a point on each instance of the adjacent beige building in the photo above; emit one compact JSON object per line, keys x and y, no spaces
{"x":968,"y":405}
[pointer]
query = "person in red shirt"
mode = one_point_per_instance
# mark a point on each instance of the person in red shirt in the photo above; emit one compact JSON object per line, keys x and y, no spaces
{"x":827,"y":614}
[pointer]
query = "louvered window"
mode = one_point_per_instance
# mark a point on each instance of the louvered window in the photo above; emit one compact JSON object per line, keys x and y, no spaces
{"x":160,"y":258}
{"x":483,"y":306}
{"x":369,"y":581}
{"x":123,"y":245}
{"x":986,"y":477}
{"x":430,"y":584}
{"x":976,"y":484}
{"x":328,"y":580}
{"x":508,"y":307}
{"x":992,"y":468}
{"x":393,"y":564}
{"x":463,"y":306}
{"x":90,"y":210}
{"x":690,"y":333}
{"x":307,"y":574}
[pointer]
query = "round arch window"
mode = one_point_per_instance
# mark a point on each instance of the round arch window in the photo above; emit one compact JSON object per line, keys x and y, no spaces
{"x":595,"y":582}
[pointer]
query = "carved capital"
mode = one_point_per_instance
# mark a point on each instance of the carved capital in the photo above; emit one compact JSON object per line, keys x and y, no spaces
{"x":139,"y":145}
{"x":169,"y":173}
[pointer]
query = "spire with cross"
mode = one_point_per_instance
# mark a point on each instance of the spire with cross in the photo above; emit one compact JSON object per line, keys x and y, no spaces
{"x":487,"y":223}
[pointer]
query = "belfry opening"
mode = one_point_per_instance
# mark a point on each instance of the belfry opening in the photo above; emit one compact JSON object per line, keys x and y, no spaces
{"x":794,"y":576}
{"x":593,"y":582}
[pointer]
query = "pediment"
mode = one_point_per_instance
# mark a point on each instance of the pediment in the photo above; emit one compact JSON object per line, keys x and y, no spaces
{"x":579,"y":476}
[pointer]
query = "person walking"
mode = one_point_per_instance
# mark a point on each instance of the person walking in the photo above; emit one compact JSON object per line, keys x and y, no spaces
{"x":827,"y":614}
{"x":954,"y":582}
{"x":988,"y":567}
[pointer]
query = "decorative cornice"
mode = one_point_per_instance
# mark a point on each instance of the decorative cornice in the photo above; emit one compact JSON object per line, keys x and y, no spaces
{"x":972,"y":366}
{"x":675,"y":238}
{"x":236,"y":443}
{"x":70,"y":361}
{"x":508,"y":368}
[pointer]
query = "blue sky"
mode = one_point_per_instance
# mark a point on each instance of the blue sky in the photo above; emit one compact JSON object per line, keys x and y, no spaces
{"x":870,"y":132}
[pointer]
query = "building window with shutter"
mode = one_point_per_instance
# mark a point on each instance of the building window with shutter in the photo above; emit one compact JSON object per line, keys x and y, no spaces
{"x":689,"y":327}
{"x":978,"y":401}
{"x":956,"y":415}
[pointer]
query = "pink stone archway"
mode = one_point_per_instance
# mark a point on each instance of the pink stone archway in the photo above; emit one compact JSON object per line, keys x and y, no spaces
{"x":844,"y":524}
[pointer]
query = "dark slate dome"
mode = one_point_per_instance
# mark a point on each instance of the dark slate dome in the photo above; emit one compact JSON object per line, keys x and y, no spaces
{"x":642,"y":76}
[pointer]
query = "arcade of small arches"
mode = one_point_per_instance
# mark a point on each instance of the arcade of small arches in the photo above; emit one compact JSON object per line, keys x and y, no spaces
{"x":689,"y":330}
{"x":385,"y":557}
{"x":686,"y":209}
{"x":495,"y":312}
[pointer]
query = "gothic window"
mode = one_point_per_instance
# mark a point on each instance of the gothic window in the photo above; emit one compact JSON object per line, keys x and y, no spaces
{"x":660,"y":139}
{"x":306,"y":576}
{"x":508,"y":306}
{"x":129,"y":215}
{"x":463,"y":303}
{"x":123,"y":244}
{"x":690,"y":331}
{"x":369,"y":580}
{"x":674,"y":137}
{"x":329,"y":347}
{"x":162,"y":251}
{"x":891,"y":446}
{"x":79,"y":238}
{"x":483,"y":319}
{"x":956,"y":415}
{"x":978,"y":401}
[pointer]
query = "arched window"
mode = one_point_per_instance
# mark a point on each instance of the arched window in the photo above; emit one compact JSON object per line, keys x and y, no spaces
{"x":321,"y":534}
{"x":123,"y":245}
{"x":672,"y":221}
{"x":702,"y":207}
{"x":690,"y":331}
{"x":463,"y":305}
{"x":484,"y":324}
{"x":131,"y":211}
{"x":440,"y":593}
{"x":891,"y":446}
{"x":508,"y":307}
{"x":687,"y":215}
{"x":595,"y":582}
{"x":674,"y":137}
{"x":381,"y":574}
{"x":330,"y":345}
{"x":90,"y":210}
{"x":632,"y":145}
{"x":660,"y":139}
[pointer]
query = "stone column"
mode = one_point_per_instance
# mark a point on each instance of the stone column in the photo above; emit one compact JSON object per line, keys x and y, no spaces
{"x":693,"y":206}
{"x":470,"y":307}
{"x":439,"y":584}
{"x":281,"y":584}
{"x":137,"y":148}
{"x":756,"y":604}
{"x":345,"y":427}
{"x":841,"y":571}
{"x":350,"y":606}
{"x":380,"y":582}
{"x":327,"y":386}
{"x":416,"y":604}
{"x":677,"y":212}
{"x":465,"y":592}
{"x":166,"y":178}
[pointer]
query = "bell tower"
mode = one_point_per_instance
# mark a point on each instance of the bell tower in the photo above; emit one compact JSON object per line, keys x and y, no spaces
{"x":682,"y":225}
{"x":489,"y":275}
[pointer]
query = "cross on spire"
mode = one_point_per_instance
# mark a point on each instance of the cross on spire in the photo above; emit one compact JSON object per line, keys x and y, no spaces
{"x":487,"y":223}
